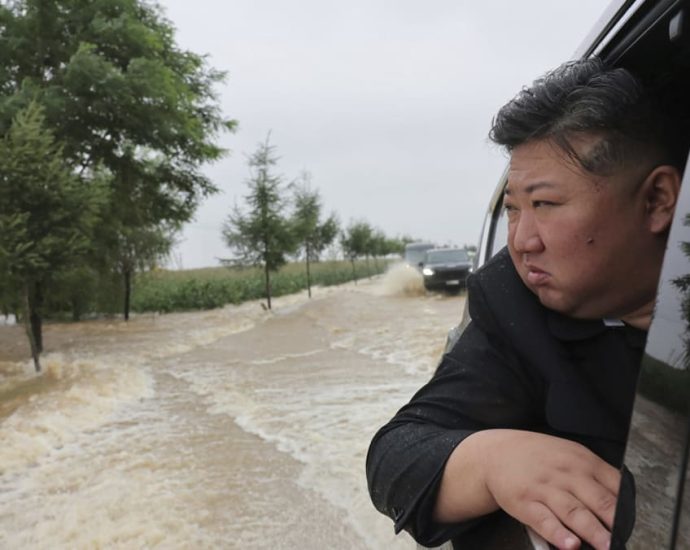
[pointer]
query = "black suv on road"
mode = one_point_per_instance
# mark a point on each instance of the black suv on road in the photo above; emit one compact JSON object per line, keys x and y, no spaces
{"x":651,"y":38}
{"x":446,"y":269}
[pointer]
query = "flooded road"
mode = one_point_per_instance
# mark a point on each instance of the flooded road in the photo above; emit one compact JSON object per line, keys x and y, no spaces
{"x":231,"y":428}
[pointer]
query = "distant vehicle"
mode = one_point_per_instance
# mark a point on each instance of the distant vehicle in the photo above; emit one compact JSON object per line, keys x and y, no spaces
{"x":446,"y":268}
{"x":415,"y":253}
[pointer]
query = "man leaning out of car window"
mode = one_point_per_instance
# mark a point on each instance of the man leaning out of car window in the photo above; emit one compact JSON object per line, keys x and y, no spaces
{"x":527,"y":415}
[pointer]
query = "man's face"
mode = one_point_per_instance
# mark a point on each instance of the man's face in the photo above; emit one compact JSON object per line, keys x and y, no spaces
{"x":577,"y":240}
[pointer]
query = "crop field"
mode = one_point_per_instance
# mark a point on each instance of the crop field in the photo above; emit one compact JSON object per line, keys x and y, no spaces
{"x":212,"y":287}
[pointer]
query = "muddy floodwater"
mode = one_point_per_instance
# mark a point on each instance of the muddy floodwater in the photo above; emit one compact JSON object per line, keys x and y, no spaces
{"x":231,"y":428}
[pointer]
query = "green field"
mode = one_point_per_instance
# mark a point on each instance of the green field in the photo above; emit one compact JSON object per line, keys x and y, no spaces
{"x":212,"y":287}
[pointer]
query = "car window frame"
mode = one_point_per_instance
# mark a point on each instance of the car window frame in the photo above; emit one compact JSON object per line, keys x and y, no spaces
{"x":629,"y":524}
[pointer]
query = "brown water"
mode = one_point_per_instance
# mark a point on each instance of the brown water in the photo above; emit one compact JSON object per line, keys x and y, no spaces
{"x":233,"y":428}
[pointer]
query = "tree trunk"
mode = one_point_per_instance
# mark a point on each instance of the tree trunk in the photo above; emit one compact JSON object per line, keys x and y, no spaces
{"x":26,"y":315}
{"x":354,"y":275}
{"x":368,"y":270}
{"x":128,"y":291}
{"x":308,"y":273}
{"x":35,"y":303}
{"x":268,"y":285}
{"x":76,"y":310}
{"x":77,"y":303}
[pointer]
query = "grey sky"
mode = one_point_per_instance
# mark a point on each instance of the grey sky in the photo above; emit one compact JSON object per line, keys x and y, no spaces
{"x":387,"y":103}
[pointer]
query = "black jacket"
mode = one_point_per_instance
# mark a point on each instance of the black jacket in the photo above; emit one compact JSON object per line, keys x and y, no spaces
{"x":517,"y":365}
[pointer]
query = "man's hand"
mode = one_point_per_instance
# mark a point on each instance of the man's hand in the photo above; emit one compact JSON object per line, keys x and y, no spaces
{"x":559,"y":488}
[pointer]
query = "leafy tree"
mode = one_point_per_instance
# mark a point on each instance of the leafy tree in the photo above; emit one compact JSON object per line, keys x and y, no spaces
{"x":262,"y":235}
{"x":46,"y":215}
{"x":139,"y":248}
{"x":312,"y":234}
{"x":355,"y":241}
{"x":112,"y":79}
{"x":365,"y":235}
{"x":378,"y":245}
{"x":396,"y":245}
{"x":74,"y":289}
{"x":134,"y":238}
{"x":122,"y":98}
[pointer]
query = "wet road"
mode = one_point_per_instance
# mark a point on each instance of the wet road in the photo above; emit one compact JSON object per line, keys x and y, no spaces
{"x":232,"y":428}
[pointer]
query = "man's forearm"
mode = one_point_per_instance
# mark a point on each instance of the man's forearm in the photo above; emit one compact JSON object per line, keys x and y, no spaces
{"x":463,"y":493}
{"x":555,"y":486}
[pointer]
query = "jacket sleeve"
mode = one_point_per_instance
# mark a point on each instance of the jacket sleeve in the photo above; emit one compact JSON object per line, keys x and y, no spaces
{"x":478,"y":385}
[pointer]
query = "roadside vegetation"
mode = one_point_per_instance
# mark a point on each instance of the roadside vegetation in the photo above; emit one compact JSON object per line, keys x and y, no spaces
{"x":166,"y":291}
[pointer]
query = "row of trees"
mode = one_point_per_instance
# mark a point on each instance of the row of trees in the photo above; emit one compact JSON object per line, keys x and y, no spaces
{"x":104,"y":124}
{"x":267,"y":231}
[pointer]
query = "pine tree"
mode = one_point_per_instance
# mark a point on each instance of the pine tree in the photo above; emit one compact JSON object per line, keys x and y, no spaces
{"x":262,"y":235}
{"x":312,"y":234}
{"x":46,"y":215}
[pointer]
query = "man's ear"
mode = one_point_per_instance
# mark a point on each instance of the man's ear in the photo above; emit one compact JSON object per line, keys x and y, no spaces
{"x":660,"y":190}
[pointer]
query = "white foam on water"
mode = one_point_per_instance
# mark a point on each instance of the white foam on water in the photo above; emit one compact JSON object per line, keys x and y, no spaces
{"x":191,"y":339}
{"x":279,"y":358}
{"x":400,"y":279}
{"x":106,"y":476}
{"x":12,"y":373}
{"x":323,"y":417}
{"x":79,"y":499}
{"x":86,"y":471}
{"x":404,"y":345}
{"x":214,"y":325}
{"x":86,"y":394}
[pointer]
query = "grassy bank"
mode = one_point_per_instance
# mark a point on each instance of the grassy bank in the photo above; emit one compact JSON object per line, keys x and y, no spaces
{"x":213,"y":287}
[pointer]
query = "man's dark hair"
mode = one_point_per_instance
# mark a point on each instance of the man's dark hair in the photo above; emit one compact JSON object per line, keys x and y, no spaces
{"x":585,"y":98}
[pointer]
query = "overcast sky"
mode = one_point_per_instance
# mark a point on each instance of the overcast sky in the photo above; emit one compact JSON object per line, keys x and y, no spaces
{"x":386,"y":103}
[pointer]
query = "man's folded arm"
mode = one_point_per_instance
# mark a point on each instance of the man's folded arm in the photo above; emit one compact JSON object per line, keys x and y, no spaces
{"x":478,"y":385}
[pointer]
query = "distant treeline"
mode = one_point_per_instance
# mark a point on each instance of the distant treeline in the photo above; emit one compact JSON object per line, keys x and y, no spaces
{"x":280,"y":221}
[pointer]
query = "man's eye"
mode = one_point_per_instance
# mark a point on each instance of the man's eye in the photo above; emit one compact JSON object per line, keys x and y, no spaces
{"x":539,"y":204}
{"x":510,"y":212}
